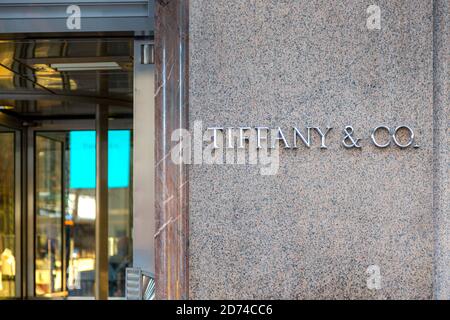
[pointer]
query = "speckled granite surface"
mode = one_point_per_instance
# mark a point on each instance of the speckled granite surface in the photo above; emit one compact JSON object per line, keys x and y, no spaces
{"x":441,"y":177}
{"x":312,"y":230}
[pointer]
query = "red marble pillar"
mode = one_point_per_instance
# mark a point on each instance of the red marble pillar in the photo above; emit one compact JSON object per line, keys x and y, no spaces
{"x":171,"y":96}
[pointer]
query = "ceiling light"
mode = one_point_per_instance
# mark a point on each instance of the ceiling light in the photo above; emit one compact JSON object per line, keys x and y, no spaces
{"x":86,"y":66}
{"x":6,"y":107}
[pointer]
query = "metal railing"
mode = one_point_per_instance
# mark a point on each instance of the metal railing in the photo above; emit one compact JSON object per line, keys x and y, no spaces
{"x":139,"y":284}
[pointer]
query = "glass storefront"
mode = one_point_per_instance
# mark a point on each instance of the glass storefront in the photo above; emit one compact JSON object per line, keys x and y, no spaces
{"x":7,"y":214}
{"x":54,"y":91}
{"x":66,"y":211}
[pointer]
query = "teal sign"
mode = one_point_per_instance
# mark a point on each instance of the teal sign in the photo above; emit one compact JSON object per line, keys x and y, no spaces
{"x":82,"y":159}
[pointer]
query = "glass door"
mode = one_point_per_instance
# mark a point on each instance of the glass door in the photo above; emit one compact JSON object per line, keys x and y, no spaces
{"x":9,"y":213}
{"x":49,"y":218}
{"x":65,"y":210}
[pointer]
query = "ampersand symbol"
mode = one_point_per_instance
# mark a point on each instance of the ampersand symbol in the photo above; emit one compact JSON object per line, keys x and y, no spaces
{"x":348,"y":132}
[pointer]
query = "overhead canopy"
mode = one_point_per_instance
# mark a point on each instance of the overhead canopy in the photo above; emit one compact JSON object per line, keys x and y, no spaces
{"x":30,"y":16}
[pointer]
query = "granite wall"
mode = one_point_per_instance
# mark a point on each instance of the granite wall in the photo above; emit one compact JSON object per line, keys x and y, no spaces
{"x":331,"y":223}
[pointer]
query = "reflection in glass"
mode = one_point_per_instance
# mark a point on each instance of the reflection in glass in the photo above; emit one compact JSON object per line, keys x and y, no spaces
{"x":7,"y":208}
{"x":79,"y":176}
{"x":48,"y":254}
{"x":81,"y":211}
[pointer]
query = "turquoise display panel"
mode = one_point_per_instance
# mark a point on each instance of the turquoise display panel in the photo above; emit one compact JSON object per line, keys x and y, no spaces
{"x":82,"y":159}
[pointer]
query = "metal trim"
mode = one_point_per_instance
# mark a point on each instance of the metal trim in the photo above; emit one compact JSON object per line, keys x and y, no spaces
{"x":80,"y":97}
{"x":50,"y":60}
{"x":30,"y":229}
{"x":97,"y":16}
{"x":143,"y":159}
{"x":18,"y":208}
{"x":101,"y":221}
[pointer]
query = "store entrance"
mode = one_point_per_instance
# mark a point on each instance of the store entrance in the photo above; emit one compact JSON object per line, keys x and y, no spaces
{"x":65,"y":207}
{"x":67,"y":140}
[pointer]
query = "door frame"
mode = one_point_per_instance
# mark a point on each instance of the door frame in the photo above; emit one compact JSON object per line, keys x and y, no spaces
{"x":63,"y":266}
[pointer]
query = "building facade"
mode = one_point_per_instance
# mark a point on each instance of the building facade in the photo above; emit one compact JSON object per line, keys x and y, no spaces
{"x":363,"y":215}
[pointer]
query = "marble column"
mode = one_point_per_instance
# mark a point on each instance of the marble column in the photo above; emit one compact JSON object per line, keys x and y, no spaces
{"x":171,"y":240}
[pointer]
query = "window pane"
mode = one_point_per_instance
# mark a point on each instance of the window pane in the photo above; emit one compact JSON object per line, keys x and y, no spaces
{"x":120,"y":210}
{"x":7,"y":208}
{"x":81,"y":211}
{"x":48,"y":253}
